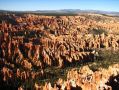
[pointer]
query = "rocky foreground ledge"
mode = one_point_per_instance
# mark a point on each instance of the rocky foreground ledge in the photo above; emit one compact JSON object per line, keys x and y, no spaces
{"x":85,"y":79}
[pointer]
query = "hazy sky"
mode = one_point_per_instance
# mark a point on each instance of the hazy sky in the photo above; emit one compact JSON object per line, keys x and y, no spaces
{"x":105,"y":5}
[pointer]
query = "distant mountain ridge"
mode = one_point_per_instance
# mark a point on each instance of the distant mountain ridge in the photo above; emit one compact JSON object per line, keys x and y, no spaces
{"x":73,"y":11}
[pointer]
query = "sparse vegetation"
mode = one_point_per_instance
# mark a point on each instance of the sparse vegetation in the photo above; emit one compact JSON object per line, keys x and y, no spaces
{"x":98,"y":31}
{"x":107,"y":58}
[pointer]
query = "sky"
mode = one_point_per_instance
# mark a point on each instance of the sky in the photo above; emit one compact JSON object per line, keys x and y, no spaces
{"x":23,"y":5}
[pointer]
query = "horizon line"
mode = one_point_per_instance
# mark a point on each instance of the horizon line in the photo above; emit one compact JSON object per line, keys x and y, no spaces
{"x":62,"y":9}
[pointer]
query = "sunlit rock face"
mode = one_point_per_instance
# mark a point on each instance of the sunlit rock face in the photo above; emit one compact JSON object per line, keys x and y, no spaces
{"x":29,"y":44}
{"x":86,"y":79}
